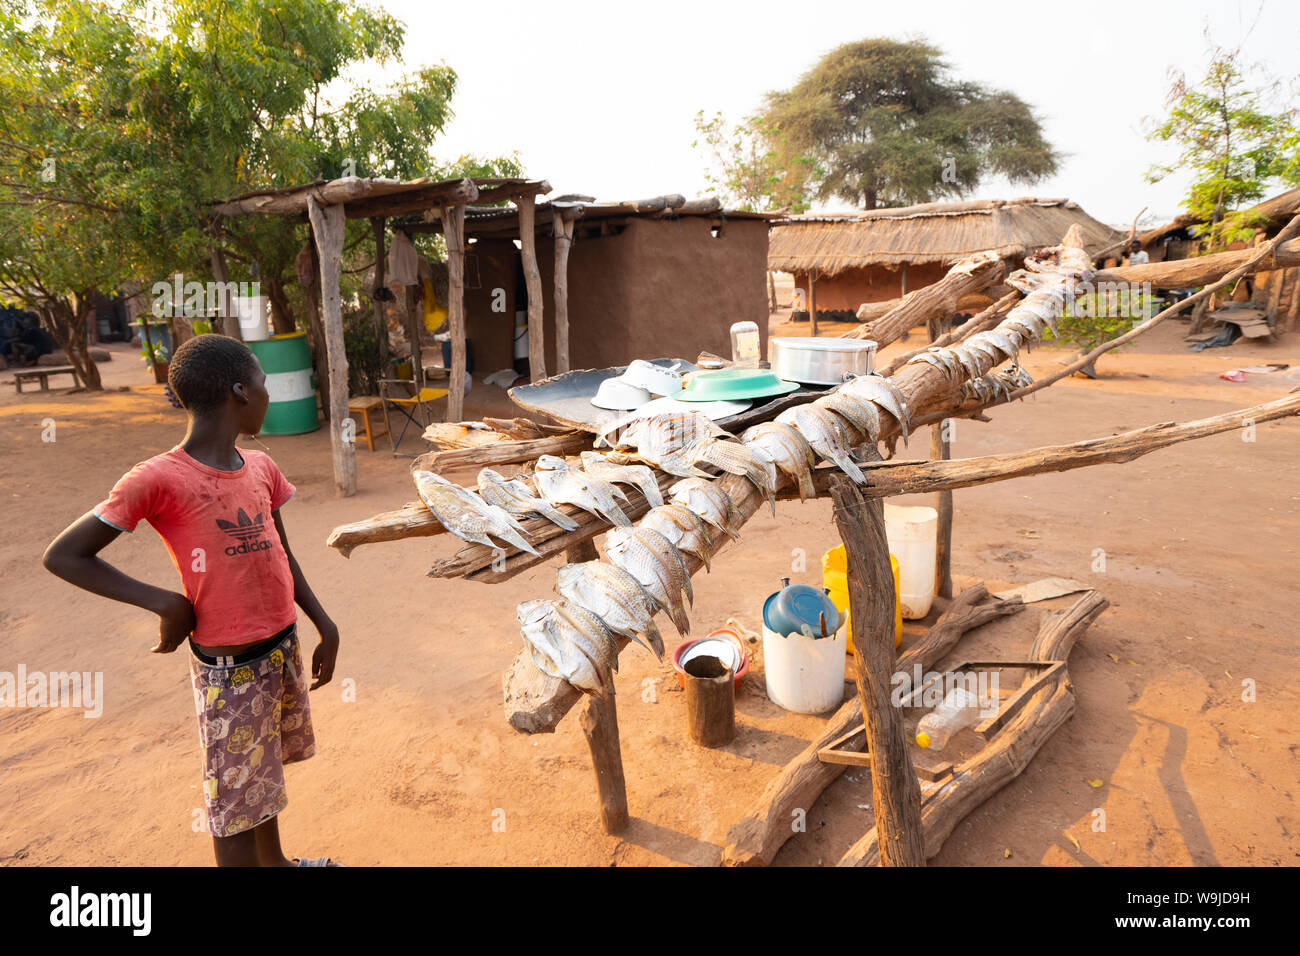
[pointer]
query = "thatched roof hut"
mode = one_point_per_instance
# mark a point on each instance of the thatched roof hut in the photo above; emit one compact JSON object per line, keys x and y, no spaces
{"x":884,"y":253}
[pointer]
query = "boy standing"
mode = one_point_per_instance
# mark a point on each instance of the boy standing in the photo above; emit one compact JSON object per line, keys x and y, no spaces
{"x":213,"y":505}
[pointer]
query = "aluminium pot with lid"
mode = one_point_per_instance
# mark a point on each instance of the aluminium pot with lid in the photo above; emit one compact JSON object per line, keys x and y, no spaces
{"x":817,"y":361}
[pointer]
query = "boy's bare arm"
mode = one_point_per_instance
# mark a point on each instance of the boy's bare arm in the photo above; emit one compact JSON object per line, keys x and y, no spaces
{"x":323,"y":658}
{"x":74,"y":556}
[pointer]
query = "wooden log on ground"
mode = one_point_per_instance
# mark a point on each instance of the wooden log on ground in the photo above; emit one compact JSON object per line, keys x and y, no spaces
{"x":757,"y":836}
{"x":896,"y":796}
{"x":938,"y":298}
{"x":533,"y":283}
{"x":975,"y":780}
{"x":453,"y":229}
{"x":328,"y":229}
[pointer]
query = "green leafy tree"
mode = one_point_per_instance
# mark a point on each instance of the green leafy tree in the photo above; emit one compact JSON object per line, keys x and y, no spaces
{"x":1231,"y":142}
{"x":892,"y":127}
{"x":751,"y":166}
{"x":122,"y":124}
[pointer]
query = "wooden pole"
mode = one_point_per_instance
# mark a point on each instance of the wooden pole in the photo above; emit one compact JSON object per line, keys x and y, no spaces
{"x":381,"y":320}
{"x":812,"y":304}
{"x":319,"y":359}
{"x":771,"y":291}
{"x":328,"y":228}
{"x":896,"y":795}
{"x":453,"y":229}
{"x":533,"y":282}
{"x":563,"y":230}
{"x":941,"y":450}
{"x":599,"y":722}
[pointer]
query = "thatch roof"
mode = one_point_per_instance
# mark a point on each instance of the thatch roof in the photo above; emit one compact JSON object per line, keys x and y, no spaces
{"x":933,"y":232}
{"x":1274,"y":211}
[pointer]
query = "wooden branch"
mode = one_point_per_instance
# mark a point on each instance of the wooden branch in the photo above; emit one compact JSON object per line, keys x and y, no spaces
{"x":997,"y":764}
{"x":913,"y":477}
{"x":412,"y":520}
{"x":453,"y":225}
{"x":982,"y":322}
{"x":503,"y":452}
{"x":328,"y":231}
{"x":941,"y":450}
{"x":533,"y":283}
{"x":1252,"y":263}
{"x":896,"y":796}
{"x":1200,"y":270}
{"x":755,"y":839}
{"x":938,"y":298}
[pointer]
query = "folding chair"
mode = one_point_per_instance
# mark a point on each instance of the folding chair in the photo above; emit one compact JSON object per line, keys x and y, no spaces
{"x":411,"y":405}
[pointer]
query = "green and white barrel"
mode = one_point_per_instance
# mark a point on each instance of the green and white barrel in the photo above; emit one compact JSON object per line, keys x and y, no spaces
{"x":286,"y":360}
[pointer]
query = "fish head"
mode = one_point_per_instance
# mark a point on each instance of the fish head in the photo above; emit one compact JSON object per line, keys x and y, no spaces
{"x":551,"y":463}
{"x":533,"y":612}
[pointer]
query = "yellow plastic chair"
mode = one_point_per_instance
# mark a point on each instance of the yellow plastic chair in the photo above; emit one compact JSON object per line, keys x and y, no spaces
{"x":412,"y":405}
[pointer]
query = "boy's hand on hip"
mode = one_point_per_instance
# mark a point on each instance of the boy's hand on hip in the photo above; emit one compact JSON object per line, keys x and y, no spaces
{"x":323,"y":658}
{"x":176,"y":622}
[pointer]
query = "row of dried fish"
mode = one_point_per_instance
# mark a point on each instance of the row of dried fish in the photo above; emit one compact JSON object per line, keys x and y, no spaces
{"x":998,"y":384}
{"x":643,"y":572}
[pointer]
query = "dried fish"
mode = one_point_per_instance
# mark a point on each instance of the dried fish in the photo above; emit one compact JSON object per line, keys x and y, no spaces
{"x":560,"y":484}
{"x":638,"y":476}
{"x":884,"y":393}
{"x":516,"y":497}
{"x":570,"y":643}
{"x":708,"y":501}
{"x":651,"y":558}
{"x":614,"y":596}
{"x":825,"y":433}
{"x":466,"y":515}
{"x":737,"y":459}
{"x":789,"y":450}
{"x":684,"y":528}
{"x":670,"y":442}
{"x":859,"y":412}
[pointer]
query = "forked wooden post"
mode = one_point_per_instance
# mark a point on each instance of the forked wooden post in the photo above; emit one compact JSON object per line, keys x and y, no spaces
{"x":328,"y":226}
{"x":941,"y":450}
{"x":896,"y":795}
{"x":562,"y":226}
{"x":599,"y":722}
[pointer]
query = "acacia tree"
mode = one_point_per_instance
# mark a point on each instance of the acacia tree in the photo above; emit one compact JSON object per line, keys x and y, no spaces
{"x":892,"y":127}
{"x":751,"y":165}
{"x":1230,"y":141}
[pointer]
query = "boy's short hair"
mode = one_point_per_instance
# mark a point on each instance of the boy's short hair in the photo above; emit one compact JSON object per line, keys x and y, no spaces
{"x":204,"y":369}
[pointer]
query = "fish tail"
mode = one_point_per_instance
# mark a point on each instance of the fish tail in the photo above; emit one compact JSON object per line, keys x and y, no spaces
{"x":655,"y":638}
{"x":846,"y":465}
{"x":518,"y":540}
{"x":678,"y":615}
{"x":558,"y":517}
{"x":615,"y":514}
{"x":652,"y":494}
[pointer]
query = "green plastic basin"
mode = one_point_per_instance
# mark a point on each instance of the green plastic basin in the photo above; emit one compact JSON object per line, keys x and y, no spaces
{"x":733,"y":384}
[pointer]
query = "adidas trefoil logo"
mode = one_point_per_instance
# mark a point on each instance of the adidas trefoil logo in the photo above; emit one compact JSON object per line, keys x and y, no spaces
{"x":247,"y":531}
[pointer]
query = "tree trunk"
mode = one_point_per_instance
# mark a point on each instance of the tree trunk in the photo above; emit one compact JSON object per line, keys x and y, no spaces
{"x":229,"y":321}
{"x":282,"y":320}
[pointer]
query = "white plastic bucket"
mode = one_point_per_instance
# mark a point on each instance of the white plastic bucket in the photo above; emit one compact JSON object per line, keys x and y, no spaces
{"x":913,"y":536}
{"x":253,"y":317}
{"x":804,"y":675}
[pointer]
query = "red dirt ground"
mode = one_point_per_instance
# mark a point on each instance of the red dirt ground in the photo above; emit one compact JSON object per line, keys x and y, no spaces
{"x":1200,"y":542}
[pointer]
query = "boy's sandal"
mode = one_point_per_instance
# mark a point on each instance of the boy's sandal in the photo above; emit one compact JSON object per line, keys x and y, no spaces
{"x":319,"y":861}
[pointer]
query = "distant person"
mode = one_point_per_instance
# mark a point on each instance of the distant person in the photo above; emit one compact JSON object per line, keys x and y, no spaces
{"x":217,"y":508}
{"x":1136,"y":254}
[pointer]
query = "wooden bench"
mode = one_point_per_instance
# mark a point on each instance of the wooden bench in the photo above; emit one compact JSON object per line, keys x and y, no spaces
{"x":43,"y":373}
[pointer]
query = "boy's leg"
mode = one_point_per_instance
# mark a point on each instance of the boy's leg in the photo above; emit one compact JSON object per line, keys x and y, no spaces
{"x":267,"y":838}
{"x":238,"y":850}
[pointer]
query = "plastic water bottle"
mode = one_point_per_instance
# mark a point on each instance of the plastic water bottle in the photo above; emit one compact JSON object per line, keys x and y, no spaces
{"x":960,"y":709}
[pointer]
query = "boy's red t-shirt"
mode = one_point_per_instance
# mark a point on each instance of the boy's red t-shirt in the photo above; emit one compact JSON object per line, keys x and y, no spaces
{"x":221,"y":534}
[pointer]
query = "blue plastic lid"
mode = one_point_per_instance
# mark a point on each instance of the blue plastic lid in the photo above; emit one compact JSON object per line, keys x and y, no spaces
{"x":795,"y":605}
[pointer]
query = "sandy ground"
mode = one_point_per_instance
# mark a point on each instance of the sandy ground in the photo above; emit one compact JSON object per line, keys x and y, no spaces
{"x":417,"y":766}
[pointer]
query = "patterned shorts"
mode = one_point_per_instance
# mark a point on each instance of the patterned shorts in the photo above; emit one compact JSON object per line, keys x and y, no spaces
{"x":254,"y":717}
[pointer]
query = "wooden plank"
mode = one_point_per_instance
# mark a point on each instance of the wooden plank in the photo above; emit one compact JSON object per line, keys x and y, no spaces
{"x":328,"y":231}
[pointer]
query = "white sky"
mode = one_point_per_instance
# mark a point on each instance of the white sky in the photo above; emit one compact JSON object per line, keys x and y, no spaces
{"x":600,"y":98}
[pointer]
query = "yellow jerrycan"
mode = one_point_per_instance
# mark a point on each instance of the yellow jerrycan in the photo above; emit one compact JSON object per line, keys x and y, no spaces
{"x":835,"y":578}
